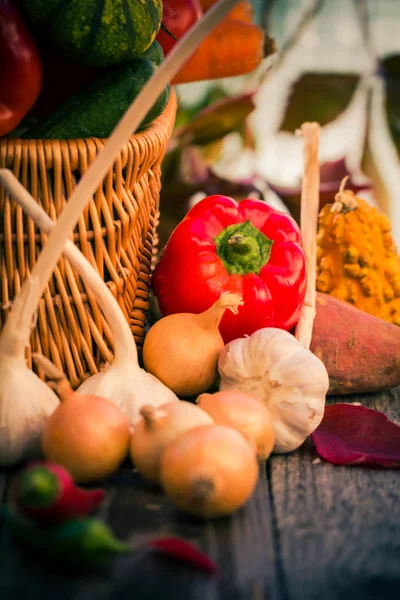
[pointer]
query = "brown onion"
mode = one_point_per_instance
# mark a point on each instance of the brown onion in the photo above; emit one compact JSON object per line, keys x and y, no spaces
{"x":87,"y":435}
{"x":210,"y":471}
{"x":157,"y":427}
{"x":242,"y":412}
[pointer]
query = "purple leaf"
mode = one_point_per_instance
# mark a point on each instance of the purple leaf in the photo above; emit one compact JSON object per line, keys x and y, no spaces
{"x":355,"y":435}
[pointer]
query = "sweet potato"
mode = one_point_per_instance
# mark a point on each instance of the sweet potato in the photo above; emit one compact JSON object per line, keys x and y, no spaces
{"x":361,"y":352}
{"x":232,"y":48}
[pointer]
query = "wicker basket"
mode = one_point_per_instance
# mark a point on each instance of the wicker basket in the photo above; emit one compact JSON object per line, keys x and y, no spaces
{"x":117,"y":233}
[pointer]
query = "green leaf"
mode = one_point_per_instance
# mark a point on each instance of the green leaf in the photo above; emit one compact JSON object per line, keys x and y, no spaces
{"x":318,"y":97}
{"x":217,"y":120}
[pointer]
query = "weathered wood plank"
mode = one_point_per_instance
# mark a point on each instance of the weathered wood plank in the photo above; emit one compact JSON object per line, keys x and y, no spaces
{"x":338,"y":528}
{"x":242,"y":548}
{"x":310,"y":531}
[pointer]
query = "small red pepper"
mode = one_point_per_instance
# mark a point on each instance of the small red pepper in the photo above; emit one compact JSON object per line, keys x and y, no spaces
{"x":183,"y":551}
{"x":46,"y":493}
{"x":20,"y":68}
{"x":224,"y":246}
{"x":178,"y":17}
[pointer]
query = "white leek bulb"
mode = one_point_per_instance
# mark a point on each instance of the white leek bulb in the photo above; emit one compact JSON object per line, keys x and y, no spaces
{"x":123,"y":382}
{"x":25,"y":400}
{"x":289,"y":379}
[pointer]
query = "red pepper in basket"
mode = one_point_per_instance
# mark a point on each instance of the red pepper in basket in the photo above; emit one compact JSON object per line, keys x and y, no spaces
{"x":178,"y":17}
{"x":46,"y":493}
{"x":20,"y":68}
{"x":247,"y":247}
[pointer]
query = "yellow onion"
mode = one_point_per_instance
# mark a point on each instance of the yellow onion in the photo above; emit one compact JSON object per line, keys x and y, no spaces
{"x":157,"y":427}
{"x":244,"y":413}
{"x":88,"y":435}
{"x":210,"y":471}
{"x":182,"y":350}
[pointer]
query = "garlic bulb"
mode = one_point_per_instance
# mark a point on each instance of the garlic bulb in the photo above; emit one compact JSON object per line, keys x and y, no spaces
{"x":123,"y":382}
{"x":274,"y":367}
{"x":25,"y":401}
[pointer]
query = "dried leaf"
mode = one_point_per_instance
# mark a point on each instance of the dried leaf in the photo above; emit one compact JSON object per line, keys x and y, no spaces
{"x":318,"y":97}
{"x":217,"y":120}
{"x":183,"y":551}
{"x":355,"y":435}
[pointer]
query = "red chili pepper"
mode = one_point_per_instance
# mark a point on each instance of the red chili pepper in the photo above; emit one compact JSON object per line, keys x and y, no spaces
{"x":183,"y":551}
{"x":178,"y":17}
{"x":20,"y":68}
{"x":46,"y":493}
{"x":225,"y":246}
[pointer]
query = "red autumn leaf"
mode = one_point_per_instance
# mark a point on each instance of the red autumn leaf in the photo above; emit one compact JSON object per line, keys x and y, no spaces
{"x":183,"y":551}
{"x":355,"y":435}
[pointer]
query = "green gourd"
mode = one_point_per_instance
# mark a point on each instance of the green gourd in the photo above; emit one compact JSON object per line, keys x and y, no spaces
{"x":97,"y":33}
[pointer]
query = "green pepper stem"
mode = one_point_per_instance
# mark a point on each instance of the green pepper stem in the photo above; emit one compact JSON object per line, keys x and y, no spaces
{"x":243,"y":248}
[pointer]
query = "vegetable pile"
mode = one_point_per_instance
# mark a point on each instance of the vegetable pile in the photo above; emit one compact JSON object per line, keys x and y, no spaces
{"x":236,"y":285}
{"x":72,"y":70}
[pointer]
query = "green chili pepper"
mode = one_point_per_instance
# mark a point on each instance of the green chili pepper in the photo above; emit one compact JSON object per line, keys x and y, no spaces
{"x":81,"y":543}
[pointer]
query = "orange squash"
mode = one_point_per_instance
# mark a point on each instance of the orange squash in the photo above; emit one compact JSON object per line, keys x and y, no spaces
{"x":357,"y":259}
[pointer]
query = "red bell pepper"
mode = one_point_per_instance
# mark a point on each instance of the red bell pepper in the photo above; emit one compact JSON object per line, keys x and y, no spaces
{"x":178,"y":17}
{"x":225,"y":246}
{"x":20,"y":68}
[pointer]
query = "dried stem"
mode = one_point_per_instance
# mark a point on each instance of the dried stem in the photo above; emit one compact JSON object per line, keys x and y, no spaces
{"x":153,"y":415}
{"x":214,"y":314}
{"x":309,"y":225}
{"x":345,"y":200}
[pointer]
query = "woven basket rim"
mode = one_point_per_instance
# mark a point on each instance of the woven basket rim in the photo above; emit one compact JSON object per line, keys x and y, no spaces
{"x":168,"y":115}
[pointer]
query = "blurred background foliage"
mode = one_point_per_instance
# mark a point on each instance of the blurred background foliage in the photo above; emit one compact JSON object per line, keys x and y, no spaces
{"x":338,"y":63}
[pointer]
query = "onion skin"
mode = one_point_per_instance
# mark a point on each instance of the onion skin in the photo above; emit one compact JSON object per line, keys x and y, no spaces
{"x":88,"y":436}
{"x":158,"y":427}
{"x":210,"y":471}
{"x":246,"y":414}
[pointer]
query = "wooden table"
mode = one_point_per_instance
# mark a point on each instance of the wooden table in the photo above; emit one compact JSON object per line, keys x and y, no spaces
{"x":311,"y":531}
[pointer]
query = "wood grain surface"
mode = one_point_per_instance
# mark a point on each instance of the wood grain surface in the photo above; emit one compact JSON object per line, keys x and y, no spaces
{"x":311,"y":531}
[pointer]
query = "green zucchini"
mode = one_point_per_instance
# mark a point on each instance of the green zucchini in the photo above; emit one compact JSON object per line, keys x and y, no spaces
{"x":96,"y":110}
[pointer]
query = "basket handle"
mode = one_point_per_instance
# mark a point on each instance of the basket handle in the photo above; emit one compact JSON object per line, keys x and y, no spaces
{"x":309,"y":208}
